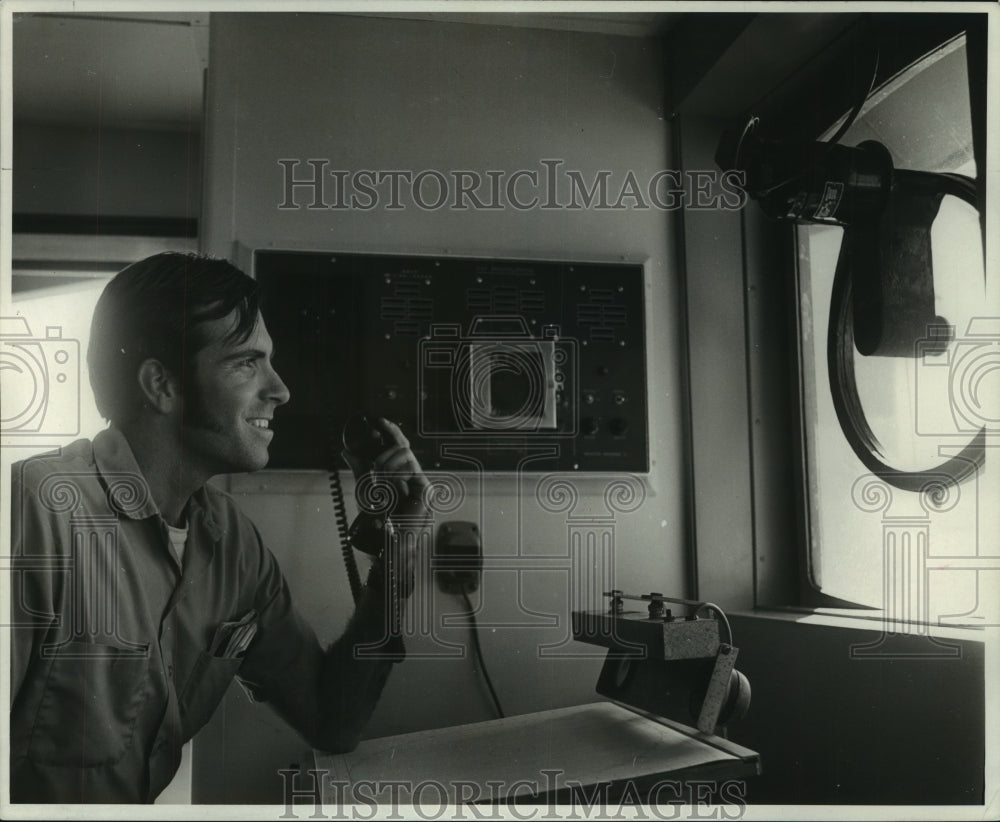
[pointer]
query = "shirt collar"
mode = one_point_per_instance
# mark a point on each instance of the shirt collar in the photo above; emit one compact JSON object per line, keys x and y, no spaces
{"x":127,"y":490}
{"x":126,"y":486}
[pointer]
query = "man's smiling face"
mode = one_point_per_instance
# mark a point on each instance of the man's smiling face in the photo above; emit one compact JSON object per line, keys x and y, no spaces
{"x":230,"y":400}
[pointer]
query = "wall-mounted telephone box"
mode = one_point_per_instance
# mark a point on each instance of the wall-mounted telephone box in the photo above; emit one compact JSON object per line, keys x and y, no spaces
{"x":493,"y":365}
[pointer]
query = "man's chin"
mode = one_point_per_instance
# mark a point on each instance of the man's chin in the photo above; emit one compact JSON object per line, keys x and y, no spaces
{"x":248,"y":464}
{"x":262,"y":464}
{"x":256,"y":463}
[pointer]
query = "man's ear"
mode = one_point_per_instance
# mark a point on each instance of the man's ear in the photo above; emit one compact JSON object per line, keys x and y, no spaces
{"x":160,"y":389}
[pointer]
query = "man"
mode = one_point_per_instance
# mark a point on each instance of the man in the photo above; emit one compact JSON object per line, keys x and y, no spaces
{"x":140,"y":591}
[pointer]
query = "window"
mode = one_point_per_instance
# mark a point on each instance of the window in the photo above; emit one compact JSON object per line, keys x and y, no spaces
{"x":47,"y":400}
{"x":926,"y":557}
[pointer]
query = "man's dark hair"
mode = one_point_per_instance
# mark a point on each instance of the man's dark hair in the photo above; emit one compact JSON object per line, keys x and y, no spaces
{"x":155,"y":308}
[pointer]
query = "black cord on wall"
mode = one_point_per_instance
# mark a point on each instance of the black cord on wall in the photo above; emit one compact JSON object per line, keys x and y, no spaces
{"x":479,"y":653}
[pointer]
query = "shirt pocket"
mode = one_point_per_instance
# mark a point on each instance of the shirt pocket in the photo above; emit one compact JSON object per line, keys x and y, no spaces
{"x":206,"y":685}
{"x":93,"y":696}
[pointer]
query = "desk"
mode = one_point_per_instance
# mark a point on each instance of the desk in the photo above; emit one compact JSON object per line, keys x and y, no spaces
{"x":548,"y":756}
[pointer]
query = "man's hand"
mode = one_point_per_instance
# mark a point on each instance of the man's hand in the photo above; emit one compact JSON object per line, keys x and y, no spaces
{"x":399,"y":466}
{"x":396,"y":464}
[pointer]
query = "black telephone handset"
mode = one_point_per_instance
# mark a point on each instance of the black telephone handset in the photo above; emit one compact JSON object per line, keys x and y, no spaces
{"x":371,"y":533}
{"x":363,"y":438}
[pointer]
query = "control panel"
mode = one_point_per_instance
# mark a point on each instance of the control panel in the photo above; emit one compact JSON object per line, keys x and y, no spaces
{"x":496,"y":364}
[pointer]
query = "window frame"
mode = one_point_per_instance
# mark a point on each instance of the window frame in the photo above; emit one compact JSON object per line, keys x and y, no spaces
{"x":802,"y":95}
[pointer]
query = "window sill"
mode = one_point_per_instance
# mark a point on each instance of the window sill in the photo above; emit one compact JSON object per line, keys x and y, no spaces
{"x":863,"y":619}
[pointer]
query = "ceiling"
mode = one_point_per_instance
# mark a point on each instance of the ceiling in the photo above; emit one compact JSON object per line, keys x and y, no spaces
{"x":144,"y":70}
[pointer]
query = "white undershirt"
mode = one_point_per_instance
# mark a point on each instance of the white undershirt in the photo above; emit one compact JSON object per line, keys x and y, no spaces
{"x":178,"y":541}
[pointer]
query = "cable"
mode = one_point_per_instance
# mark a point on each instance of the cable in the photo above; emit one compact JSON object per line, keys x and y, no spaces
{"x":479,"y":653}
{"x":863,"y":95}
{"x":722,"y":615}
{"x":843,"y":385}
{"x":340,"y":515}
{"x":859,"y":103}
{"x":752,"y":123}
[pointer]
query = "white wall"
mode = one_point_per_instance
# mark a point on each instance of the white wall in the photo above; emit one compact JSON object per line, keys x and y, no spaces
{"x":369,"y":93}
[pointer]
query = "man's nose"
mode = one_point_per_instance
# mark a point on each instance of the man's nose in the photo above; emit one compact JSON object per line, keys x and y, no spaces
{"x":276,"y":389}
